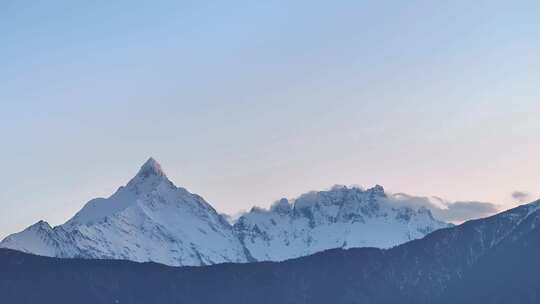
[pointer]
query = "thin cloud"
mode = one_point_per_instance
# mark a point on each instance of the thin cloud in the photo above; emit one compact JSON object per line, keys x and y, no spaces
{"x":521,"y":196}
{"x":452,"y":212}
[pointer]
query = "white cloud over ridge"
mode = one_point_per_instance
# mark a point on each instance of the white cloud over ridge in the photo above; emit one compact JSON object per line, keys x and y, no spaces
{"x":448,"y":211}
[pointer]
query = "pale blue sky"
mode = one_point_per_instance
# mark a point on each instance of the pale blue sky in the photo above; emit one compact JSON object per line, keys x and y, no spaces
{"x":245,"y":102}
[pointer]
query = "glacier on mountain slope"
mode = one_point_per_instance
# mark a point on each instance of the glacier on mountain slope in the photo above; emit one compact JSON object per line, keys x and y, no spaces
{"x":339,"y":218}
{"x":150,"y":219}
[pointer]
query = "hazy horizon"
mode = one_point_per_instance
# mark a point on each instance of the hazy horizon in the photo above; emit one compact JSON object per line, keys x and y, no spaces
{"x":245,"y":103}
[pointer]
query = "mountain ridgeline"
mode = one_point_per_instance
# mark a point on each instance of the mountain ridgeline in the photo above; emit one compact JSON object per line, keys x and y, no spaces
{"x":151,"y":219}
{"x":491,"y":260}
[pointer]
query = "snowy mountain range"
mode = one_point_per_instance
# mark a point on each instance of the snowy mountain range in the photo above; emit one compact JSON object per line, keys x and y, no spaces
{"x":489,"y":260}
{"x":151,"y":219}
{"x":339,"y":218}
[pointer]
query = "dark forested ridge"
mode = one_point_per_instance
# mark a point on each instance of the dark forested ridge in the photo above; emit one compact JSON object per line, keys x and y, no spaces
{"x":493,"y":260}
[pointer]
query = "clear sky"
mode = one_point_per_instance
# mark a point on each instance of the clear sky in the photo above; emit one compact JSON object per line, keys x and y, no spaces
{"x":244,"y":102}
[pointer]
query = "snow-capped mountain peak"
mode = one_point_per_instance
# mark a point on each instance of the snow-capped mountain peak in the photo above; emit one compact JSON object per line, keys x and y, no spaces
{"x":149,"y":178}
{"x":151,"y":168}
{"x":151,"y":219}
{"x":283,"y":206}
{"x":149,"y":185}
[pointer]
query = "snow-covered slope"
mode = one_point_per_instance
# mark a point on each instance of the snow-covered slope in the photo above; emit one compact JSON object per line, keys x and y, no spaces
{"x":150,"y":219}
{"x":339,"y":218}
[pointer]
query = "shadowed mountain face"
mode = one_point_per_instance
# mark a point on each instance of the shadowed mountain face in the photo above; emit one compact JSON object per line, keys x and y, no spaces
{"x":493,"y":260}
